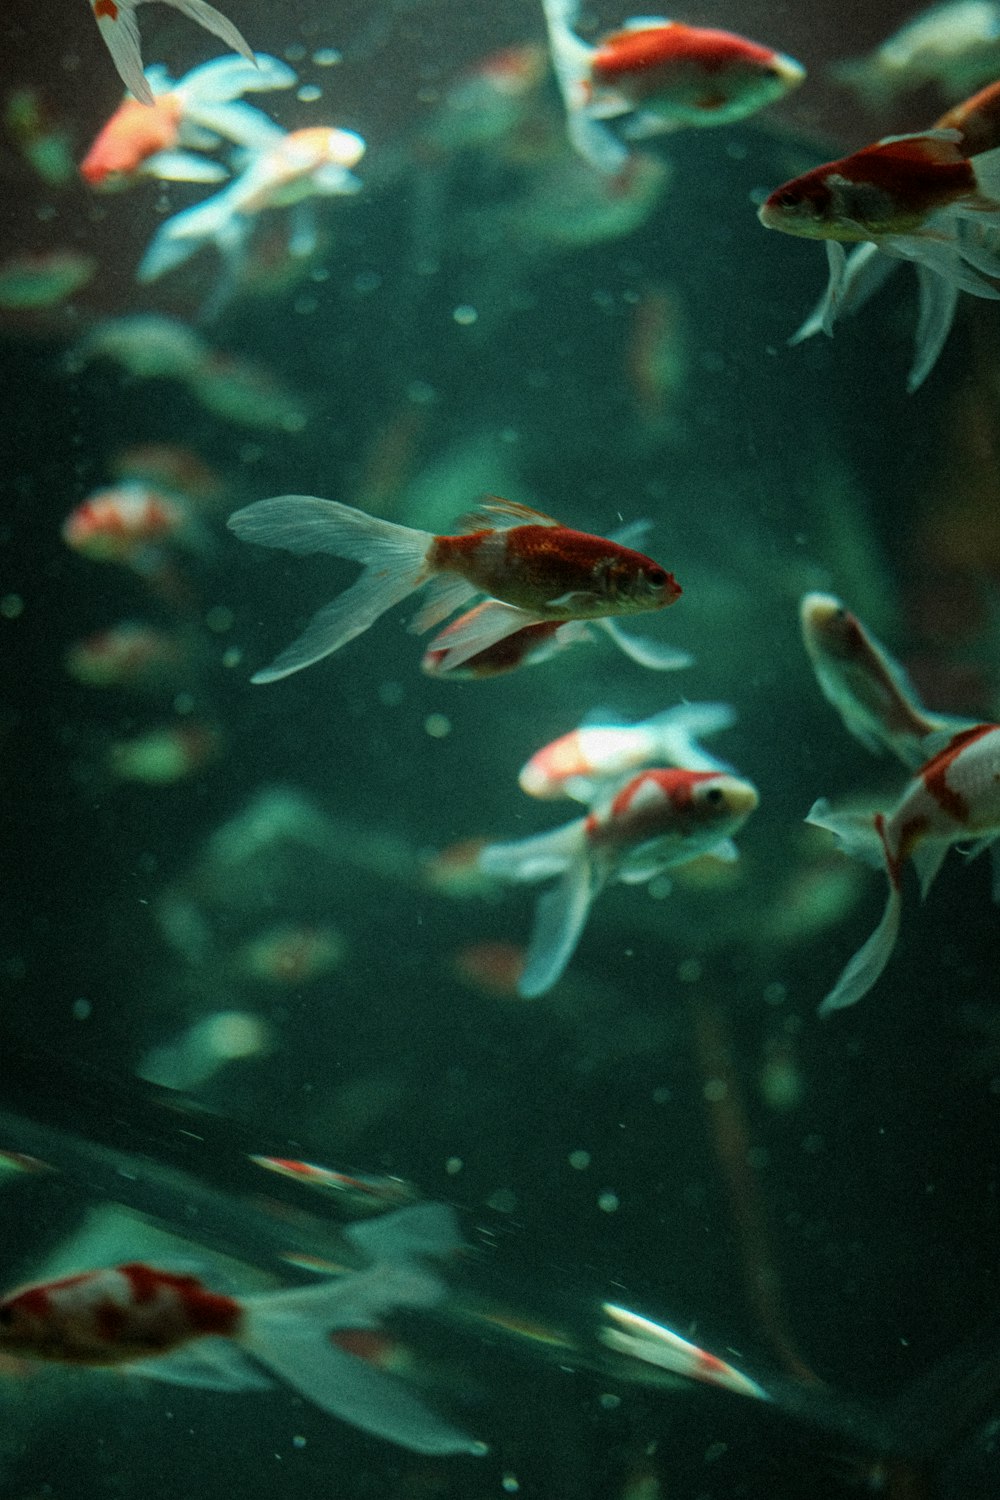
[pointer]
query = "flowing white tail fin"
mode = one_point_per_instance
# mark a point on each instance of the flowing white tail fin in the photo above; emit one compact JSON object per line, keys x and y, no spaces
{"x":289,"y":1332}
{"x":864,"y":838}
{"x":394,"y":558}
{"x":560,"y":917}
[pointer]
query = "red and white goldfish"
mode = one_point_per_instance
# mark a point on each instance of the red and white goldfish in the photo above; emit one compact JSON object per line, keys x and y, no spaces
{"x":953,"y":799}
{"x":579,"y":764}
{"x":658,"y":820}
{"x":869,"y":689}
{"x":162,"y":139}
{"x":130,"y":655}
{"x":852,"y":281}
{"x":283,"y":170}
{"x":360,"y":1190}
{"x":118,"y":26}
{"x":129,"y":525}
{"x":172,"y":1327}
{"x":631,"y":1334}
{"x":656,"y":75}
{"x":518,"y":556}
{"x":536,"y":643}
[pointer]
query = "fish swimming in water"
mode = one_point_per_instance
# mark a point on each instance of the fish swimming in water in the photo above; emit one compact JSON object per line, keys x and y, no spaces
{"x":118,"y":26}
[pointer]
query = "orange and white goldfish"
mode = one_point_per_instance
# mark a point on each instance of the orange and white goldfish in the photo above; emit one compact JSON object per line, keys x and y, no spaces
{"x":283,"y":170}
{"x":118,"y":26}
{"x":358,"y":1189}
{"x":129,"y":525}
{"x":955,"y":45}
{"x":953,"y":799}
{"x":869,"y":689}
{"x":172,"y":1327}
{"x":162,"y":139}
{"x":852,"y":282}
{"x":537,"y":643}
{"x":656,"y":75}
{"x":579,"y":764}
{"x":657,"y":821}
{"x":518,"y":556}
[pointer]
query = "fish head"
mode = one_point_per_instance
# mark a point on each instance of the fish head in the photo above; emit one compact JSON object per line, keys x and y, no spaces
{"x":804,"y":206}
{"x":829,"y":629}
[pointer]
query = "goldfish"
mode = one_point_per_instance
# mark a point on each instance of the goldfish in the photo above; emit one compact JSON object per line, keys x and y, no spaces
{"x":630,"y":1333}
{"x":955,"y":46}
{"x":358,"y":1189}
{"x":173,"y":1327}
{"x":975,"y":126}
{"x":150,"y":138}
{"x":166,"y":754}
{"x":537,"y":643}
{"x":518,"y":556}
{"x":129,"y":525}
{"x":282,"y":170}
{"x":954,"y":798}
{"x":577,"y":765}
{"x":31,"y":282}
{"x":656,"y":75}
{"x":117,"y":24}
{"x":130,"y":654}
{"x":869,"y":689}
{"x":659,"y":819}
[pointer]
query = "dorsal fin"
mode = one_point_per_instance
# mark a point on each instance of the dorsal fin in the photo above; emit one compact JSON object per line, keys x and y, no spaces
{"x":937,"y":146}
{"x":498,"y":515}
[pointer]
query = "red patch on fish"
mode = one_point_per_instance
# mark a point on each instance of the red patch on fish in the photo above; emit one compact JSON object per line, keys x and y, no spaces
{"x":645,"y":48}
{"x":935,"y":773}
{"x":106,"y":10}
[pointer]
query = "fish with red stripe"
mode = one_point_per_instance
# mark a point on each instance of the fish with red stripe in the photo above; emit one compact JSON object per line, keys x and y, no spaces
{"x":171,"y":1326}
{"x":656,"y":821}
{"x":953,"y":799}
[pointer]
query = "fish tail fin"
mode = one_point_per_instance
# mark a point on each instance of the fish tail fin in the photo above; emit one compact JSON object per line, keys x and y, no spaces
{"x":394,"y":559}
{"x":214,"y":21}
{"x":654,"y":655}
{"x":560,"y":917}
{"x":529,"y":860}
{"x":120,"y":30}
{"x":185,"y":233}
{"x":678,"y":730}
{"x":225,"y":78}
{"x":292,"y":1334}
{"x":864,"y":838}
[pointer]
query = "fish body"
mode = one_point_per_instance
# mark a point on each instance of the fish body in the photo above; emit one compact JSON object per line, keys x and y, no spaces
{"x":671,"y":75}
{"x":578,"y":764}
{"x":282,"y":171}
{"x":869,"y":689}
{"x":535,"y":643}
{"x":977,"y":121}
{"x":539,"y":569}
{"x":131,"y":655}
{"x":367,"y":1191}
{"x":659,"y":819}
{"x":128,"y":525}
{"x":953,"y":799}
{"x":116,"y":21}
{"x":173,"y":1327}
{"x":657,"y":75}
{"x":891,"y":188}
{"x":145,"y":139}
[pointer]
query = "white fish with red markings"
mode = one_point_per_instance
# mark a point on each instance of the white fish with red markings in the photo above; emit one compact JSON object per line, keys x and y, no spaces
{"x":578,"y":764}
{"x":369,"y":1192}
{"x":117,"y":24}
{"x":658,"y":820}
{"x":953,"y":799}
{"x":169,"y":1326}
{"x":534,"y":568}
{"x":869,"y":689}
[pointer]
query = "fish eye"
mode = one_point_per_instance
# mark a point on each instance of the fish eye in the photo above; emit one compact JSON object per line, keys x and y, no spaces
{"x":786,"y":199}
{"x":6,"y":1315}
{"x":715,"y":795}
{"x":657,"y":577}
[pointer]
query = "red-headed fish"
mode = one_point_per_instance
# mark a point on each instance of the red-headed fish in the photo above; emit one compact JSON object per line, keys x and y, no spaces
{"x":526,"y":560}
{"x":657,"y":75}
{"x":656,"y":821}
{"x":953,"y":799}
{"x":173,"y":1327}
{"x":118,"y":26}
{"x":163,"y":139}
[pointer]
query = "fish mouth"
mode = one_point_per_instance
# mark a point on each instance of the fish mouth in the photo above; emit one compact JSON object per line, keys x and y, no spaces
{"x":742,"y":798}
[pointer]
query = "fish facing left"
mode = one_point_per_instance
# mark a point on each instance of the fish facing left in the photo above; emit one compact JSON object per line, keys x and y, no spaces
{"x":526,"y":560}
